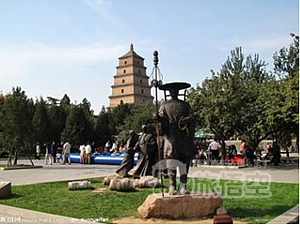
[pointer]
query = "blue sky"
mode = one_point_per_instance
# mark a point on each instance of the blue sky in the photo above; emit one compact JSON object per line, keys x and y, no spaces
{"x":53,"y":47}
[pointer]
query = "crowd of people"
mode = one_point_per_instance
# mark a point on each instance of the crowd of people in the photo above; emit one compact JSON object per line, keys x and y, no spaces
{"x":53,"y":154}
{"x":244,"y":155}
{"x":60,"y":153}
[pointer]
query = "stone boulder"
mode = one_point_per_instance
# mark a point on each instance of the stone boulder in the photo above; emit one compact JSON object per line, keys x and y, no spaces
{"x":5,"y":190}
{"x":179,"y":206}
{"x":79,"y":185}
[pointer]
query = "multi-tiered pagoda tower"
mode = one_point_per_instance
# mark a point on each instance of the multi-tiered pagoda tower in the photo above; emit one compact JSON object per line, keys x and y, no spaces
{"x":131,"y":84}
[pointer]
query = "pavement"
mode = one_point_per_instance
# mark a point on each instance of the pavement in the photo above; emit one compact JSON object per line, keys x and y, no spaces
{"x":285,"y":173}
{"x":13,"y":215}
{"x":289,"y":217}
{"x":55,"y":172}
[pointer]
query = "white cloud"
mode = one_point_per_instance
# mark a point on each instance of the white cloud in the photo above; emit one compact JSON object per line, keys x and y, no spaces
{"x":255,"y":45}
{"x":266,"y":44}
{"x":102,"y":7}
{"x":14,"y":61}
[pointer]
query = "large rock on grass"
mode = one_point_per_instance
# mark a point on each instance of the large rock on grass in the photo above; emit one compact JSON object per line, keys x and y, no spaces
{"x":5,"y":190}
{"x":179,"y":206}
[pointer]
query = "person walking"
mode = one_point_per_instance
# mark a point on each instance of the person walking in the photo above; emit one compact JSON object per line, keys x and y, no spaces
{"x":66,"y":152}
{"x":48,"y":155}
{"x":82,"y":153}
{"x":243,"y":151}
{"x":88,"y":152}
{"x":214,"y":147}
{"x":54,"y":151}
{"x":38,"y":151}
{"x":276,"y":154}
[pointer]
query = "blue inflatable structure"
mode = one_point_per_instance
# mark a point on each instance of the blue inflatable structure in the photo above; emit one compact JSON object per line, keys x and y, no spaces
{"x":103,"y":159}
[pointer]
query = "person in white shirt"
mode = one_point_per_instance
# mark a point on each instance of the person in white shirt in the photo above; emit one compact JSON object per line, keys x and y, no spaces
{"x":215,"y":148}
{"x":82,"y":153}
{"x":107,"y":146}
{"x":38,"y":151}
{"x":66,"y":152}
{"x":88,"y":152}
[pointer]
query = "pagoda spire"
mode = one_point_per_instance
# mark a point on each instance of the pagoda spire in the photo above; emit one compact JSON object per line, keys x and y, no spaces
{"x":131,"y":47}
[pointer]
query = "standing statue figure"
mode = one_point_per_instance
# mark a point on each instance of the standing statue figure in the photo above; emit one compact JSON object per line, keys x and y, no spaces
{"x":177,"y":130}
{"x":147,"y":148}
{"x":128,"y":161}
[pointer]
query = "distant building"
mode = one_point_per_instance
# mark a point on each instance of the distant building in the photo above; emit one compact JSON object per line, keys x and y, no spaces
{"x":131,"y":84}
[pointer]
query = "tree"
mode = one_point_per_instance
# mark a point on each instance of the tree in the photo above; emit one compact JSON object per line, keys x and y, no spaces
{"x":102,"y":129}
{"x":253,"y":126}
{"x":86,"y":105}
{"x":118,"y":116}
{"x":41,"y":122}
{"x":286,"y":61}
{"x":57,"y":119}
{"x":65,"y":101}
{"x":16,"y":127}
{"x":77,"y":128}
{"x":284,"y":115}
{"x":140,"y":114}
{"x":226,"y":103}
{"x":52,"y":101}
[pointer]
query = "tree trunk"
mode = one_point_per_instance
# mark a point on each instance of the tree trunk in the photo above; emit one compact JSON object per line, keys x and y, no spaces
{"x":16,"y":157}
{"x":29,"y":152}
{"x":287,"y":152}
{"x":9,"y":159}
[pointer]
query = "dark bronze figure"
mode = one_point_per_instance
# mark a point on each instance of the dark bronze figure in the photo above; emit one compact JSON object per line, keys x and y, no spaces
{"x":177,"y":130}
{"x":128,"y":161}
{"x":147,"y":148}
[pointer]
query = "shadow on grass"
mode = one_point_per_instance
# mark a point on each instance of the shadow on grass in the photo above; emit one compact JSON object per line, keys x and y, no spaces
{"x":270,"y":213}
{"x":12,"y":196}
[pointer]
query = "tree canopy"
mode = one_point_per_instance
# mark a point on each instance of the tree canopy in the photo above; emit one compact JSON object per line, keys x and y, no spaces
{"x":245,"y":100}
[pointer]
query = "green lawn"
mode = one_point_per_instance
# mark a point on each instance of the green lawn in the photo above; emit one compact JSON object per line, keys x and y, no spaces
{"x":55,"y":198}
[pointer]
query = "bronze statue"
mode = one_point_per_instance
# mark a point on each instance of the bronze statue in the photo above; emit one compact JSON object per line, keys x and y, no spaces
{"x":177,"y":133}
{"x":128,"y":161}
{"x":147,"y":148}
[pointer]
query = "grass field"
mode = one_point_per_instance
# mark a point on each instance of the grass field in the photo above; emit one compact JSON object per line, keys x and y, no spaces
{"x":55,"y":198}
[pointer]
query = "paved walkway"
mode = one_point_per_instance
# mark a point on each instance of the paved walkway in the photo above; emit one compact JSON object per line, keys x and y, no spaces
{"x":13,"y":215}
{"x":291,"y":216}
{"x":286,"y":173}
{"x":57,"y":172}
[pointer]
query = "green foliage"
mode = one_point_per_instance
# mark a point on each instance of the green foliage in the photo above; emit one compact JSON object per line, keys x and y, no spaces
{"x":140,"y":114}
{"x":78,"y":129}
{"x":286,"y":61}
{"x":41,"y":122}
{"x":282,"y":96}
{"x":103,"y":131}
{"x":226,"y":103}
{"x":119,"y":114}
{"x":245,"y":100}
{"x":15,"y":126}
{"x":65,"y":101}
{"x":57,"y":118}
{"x":16,"y":114}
